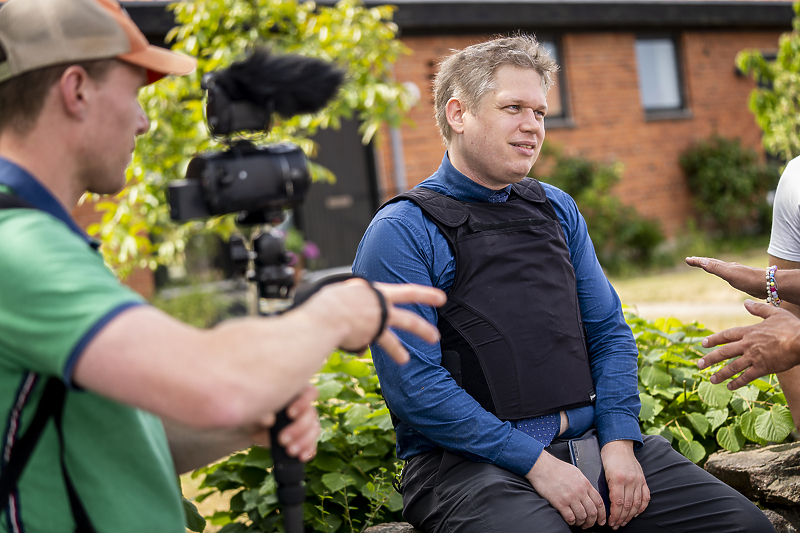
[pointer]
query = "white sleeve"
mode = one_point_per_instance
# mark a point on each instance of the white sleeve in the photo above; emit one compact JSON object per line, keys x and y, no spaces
{"x":785,"y":239}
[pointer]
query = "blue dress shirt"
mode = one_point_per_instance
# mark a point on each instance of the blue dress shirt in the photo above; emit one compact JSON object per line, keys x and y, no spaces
{"x":402,"y":245}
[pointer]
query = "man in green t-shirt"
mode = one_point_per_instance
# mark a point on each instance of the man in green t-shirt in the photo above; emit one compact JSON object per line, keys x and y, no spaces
{"x":147,"y":396}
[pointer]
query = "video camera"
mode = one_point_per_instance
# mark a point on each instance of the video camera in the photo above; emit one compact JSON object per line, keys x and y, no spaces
{"x":246,"y":178}
{"x":258,"y":183}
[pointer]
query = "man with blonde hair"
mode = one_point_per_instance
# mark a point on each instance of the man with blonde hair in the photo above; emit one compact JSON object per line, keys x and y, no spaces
{"x":536,"y":368}
{"x":103,"y":397}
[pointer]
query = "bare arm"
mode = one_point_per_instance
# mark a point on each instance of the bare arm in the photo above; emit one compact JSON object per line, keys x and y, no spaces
{"x":790,"y":379}
{"x":192,"y":448}
{"x":241,"y":372}
{"x":752,"y":280}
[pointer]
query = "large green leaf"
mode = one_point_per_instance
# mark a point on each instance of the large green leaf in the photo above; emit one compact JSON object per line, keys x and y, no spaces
{"x":774,"y":425}
{"x":654,"y":377}
{"x":716,"y":417}
{"x":699,"y":422}
{"x":692,"y":450}
{"x":748,"y":424}
{"x":336,"y":481}
{"x":650,"y":406}
{"x":730,"y":437}
{"x":714,"y":395}
{"x":194,"y":520}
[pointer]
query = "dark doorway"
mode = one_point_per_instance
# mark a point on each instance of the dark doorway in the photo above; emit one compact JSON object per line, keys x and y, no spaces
{"x":335,"y":216}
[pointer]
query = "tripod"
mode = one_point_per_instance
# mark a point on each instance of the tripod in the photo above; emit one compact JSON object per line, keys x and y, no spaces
{"x":266,"y":263}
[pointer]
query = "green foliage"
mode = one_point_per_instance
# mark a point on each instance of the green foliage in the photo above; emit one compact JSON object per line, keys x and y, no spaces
{"x":776,"y":102}
{"x":348,"y":483}
{"x":680,"y":404}
{"x":621,"y":237}
{"x":135,"y":228}
{"x":729,"y":186}
{"x":198,"y":308}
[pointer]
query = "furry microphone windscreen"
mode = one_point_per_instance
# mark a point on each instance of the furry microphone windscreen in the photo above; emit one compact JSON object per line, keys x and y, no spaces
{"x":287,"y":84}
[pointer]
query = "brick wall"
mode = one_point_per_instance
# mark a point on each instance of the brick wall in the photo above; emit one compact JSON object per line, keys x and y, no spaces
{"x":609,"y":123}
{"x":140,"y":280}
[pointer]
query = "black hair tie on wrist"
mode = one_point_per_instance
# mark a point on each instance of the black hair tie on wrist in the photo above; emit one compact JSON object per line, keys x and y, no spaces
{"x":384,"y":312}
{"x":303,"y":294}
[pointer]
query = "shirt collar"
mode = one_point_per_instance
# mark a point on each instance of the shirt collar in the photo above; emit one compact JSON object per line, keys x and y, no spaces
{"x":449,"y":181}
{"x":29,"y":189}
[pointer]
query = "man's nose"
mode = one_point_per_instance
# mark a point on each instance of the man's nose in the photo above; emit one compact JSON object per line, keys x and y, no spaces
{"x":530,"y":121}
{"x":144,"y":122}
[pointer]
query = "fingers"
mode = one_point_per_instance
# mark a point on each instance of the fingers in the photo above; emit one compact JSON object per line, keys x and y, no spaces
{"x":760,"y":308}
{"x":299,"y":438}
{"x":410,"y":293}
{"x":413,"y":323}
{"x":392,"y":346}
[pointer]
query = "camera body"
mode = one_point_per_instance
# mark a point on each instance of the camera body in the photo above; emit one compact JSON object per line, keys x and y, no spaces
{"x":244,"y":178}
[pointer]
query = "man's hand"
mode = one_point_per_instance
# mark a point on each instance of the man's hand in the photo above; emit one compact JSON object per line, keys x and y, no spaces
{"x":300,"y":437}
{"x":627,"y":488}
{"x":359,"y":311}
{"x":768,"y":347}
{"x":744,"y":278}
{"x":568,"y":491}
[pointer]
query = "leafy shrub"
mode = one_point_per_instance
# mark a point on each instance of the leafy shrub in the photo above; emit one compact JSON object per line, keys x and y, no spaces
{"x":680,"y":404}
{"x":729,"y":186}
{"x":349,"y":481}
{"x":621,"y":237}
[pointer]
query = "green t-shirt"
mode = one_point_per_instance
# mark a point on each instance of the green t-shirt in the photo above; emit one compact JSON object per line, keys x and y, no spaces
{"x":55,"y":294}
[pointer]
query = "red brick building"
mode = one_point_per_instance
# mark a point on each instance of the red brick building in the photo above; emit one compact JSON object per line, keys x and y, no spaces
{"x":640,"y":81}
{"x":599,"y":109}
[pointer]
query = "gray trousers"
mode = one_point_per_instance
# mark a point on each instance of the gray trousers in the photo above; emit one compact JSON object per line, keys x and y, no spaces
{"x":444,"y":492}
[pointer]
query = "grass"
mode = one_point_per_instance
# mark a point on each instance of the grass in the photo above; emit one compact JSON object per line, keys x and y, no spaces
{"x":690,"y":294}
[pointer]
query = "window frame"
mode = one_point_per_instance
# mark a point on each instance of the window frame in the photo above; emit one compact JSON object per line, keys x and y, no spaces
{"x":564,"y":119}
{"x":682,"y":111}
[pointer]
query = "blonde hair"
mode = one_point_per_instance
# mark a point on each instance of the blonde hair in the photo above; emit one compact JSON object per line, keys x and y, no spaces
{"x":469,"y":74}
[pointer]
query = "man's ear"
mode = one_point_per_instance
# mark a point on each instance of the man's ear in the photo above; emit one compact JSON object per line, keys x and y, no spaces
{"x":455,"y":110}
{"x":73,"y":90}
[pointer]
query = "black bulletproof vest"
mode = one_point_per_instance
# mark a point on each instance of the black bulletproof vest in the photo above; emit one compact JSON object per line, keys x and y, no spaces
{"x":511,"y":329}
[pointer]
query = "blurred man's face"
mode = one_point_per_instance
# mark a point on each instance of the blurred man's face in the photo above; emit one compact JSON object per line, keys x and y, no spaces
{"x":115,"y":120}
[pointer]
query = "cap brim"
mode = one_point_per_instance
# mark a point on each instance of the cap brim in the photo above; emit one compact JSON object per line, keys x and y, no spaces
{"x":160,"y":62}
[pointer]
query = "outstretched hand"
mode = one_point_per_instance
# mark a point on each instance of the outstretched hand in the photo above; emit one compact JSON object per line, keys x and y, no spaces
{"x":744,"y":278}
{"x":768,"y":347}
{"x":358,"y":308}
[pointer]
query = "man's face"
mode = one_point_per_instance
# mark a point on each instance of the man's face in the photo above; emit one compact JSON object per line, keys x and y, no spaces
{"x":115,"y":119}
{"x":502,"y":137}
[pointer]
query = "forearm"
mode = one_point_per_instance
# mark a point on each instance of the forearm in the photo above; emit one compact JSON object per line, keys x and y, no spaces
{"x":230,"y":376}
{"x":788,"y":280}
{"x":193,"y":448}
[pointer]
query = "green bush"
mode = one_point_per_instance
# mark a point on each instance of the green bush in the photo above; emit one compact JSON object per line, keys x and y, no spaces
{"x":349,"y":481}
{"x":679,"y":403}
{"x":729,"y":186}
{"x":622,"y":239}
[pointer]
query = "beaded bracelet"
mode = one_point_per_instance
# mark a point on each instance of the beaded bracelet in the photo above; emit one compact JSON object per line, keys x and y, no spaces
{"x":772,"y":287}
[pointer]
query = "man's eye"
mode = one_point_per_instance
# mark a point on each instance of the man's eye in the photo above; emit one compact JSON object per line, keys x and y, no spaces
{"x":513,"y":107}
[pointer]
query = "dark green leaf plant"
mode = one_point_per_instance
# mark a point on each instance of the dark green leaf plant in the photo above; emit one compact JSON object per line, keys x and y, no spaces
{"x":349,"y":481}
{"x":682,"y":405}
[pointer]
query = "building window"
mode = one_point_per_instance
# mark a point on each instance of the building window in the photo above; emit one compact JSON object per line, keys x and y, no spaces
{"x":557,"y":94}
{"x":659,"y":76}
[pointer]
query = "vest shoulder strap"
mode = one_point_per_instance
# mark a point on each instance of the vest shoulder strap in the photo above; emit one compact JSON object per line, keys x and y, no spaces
{"x":443,"y":209}
{"x":533,"y":191}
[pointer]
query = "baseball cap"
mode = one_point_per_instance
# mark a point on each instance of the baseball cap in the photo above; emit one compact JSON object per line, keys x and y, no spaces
{"x":40,"y":33}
